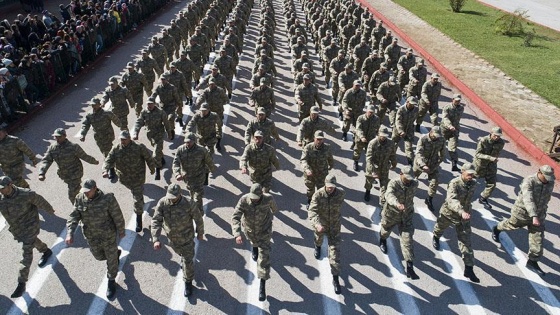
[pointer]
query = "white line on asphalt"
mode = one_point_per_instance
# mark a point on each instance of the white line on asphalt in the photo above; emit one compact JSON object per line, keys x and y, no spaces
{"x":541,"y":287}
{"x":465,"y":289}
{"x":405,"y":294}
{"x":254,"y":306}
{"x":331,"y":301}
{"x":2,"y":222}
{"x":100,"y":300}
{"x":39,"y":277}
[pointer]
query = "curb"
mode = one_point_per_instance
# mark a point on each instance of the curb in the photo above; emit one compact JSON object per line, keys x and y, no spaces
{"x":515,"y":135}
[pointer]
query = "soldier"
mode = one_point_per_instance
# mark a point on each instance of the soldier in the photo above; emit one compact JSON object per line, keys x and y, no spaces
{"x":192,"y":164}
{"x":378,"y":32}
{"x":398,"y":211}
{"x":310,"y":125}
{"x":176,"y":214}
{"x":316,"y":161}
{"x":178,"y":80}
{"x":255,"y":211}
{"x":388,"y":95}
{"x":208,"y":128}
{"x":298,"y":78}
{"x":306,"y":96}
{"x":100,"y":120}
{"x":486,"y":162}
{"x":170,"y":46}
{"x":450,"y":128}
{"x":148,"y":65}
{"x":266,"y":62}
{"x":431,"y":91}
{"x":187,"y":68}
{"x":118,"y":96}
{"x":221,"y":80}
{"x":346,"y":81}
{"x":298,"y":48}
{"x":325,"y":217}
{"x":136,"y":82}
{"x":169,"y":99}
{"x":263,"y":124}
{"x":416,"y":79}
{"x":233,"y":53}
{"x":266,"y":46}
{"x":405,"y":63}
{"x":158,"y":52}
{"x":20,"y":208}
{"x":380,"y":156}
{"x":225,"y":65}
{"x":263,"y":97}
{"x":370,"y":65}
{"x":67,"y":156}
{"x":329,"y":54}
{"x":12,"y":151}
{"x":156,"y":123}
{"x":352,"y":106}
{"x":392,"y":54}
{"x":196,"y":54}
{"x":102,"y":216}
{"x":130,"y":159}
{"x":258,"y":159}
{"x":456,"y":211}
{"x":386,"y":41}
{"x":404,"y":126}
{"x":215,"y":96}
{"x":530,"y":210}
{"x":429,"y":154}
{"x":377,"y":78}
{"x":261,"y":73}
{"x":360,"y":53}
{"x":367,"y":126}
{"x":297,"y":65}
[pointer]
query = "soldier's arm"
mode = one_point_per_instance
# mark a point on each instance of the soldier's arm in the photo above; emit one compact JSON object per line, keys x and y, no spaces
{"x":425,"y":93}
{"x":219,"y":125}
{"x":116,"y":214}
{"x":274,"y":131}
{"x":157,"y":67}
{"x":304,"y":160}
{"x":312,"y":213}
{"x":197,"y":218}
{"x":204,"y":82}
{"x":105,"y":98}
{"x":209,"y":162}
{"x":201,"y":99}
{"x":359,"y":128}
{"x":82,"y":155}
{"x":248,"y":133}
{"x":420,"y":153}
{"x":274,"y":158}
{"x":138,"y":125}
{"x":445,"y":117}
{"x":129,"y":98}
{"x":46,"y":162}
{"x":147,"y":156}
{"x":527,"y":187}
{"x":272,"y":99}
{"x":273,"y":205}
{"x":441,"y":152}
{"x":345,"y":100}
{"x":390,"y":196}
{"x":177,"y":163}
{"x":330,"y":159}
{"x":236,"y":218}
{"x":393,"y":156}
{"x":145,"y":84}
{"x":23,"y":147}
{"x":479,"y":154}
{"x":176,"y":97}
{"x":73,"y":221}
{"x":40,"y":202}
{"x":243,"y":163}
{"x":379,"y":94}
{"x":157,"y":221}
{"x":369,"y":158}
{"x":167,"y":124}
{"x":399,"y":122}
{"x":452,"y":199}
{"x":318,"y":98}
{"x":109,"y":162}
{"x":86,"y":124}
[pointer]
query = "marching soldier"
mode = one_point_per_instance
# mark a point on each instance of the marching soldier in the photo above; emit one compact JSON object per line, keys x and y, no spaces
{"x":457,"y":211}
{"x":215,"y":97}
{"x":136,"y":82}
{"x":377,"y":78}
{"x":370,"y":65}
{"x":12,"y":151}
{"x":367,"y":126}
{"x":416,"y":78}
{"x":159,"y":53}
{"x":325,"y":217}
{"x":187,"y":68}
{"x":169,"y":99}
{"x":336,"y":67}
{"x":307,"y":95}
{"x":196,"y":54}
{"x":118,"y":96}
{"x":450,"y":128}
{"x":352,"y":106}
{"x":68,"y":156}
{"x":431,"y":90}
{"x":346,"y":81}
{"x":148,"y":65}
{"x":404,"y":64}
{"x":20,"y":208}
{"x":263,"y":124}
{"x":380,"y":156}
{"x":220,"y":79}
{"x":255,"y":211}
{"x":101,"y":121}
{"x":227,"y":68}
{"x":316,"y":161}
{"x":429,"y":154}
{"x":263,"y":97}
{"x":208,"y":128}
{"x":176,"y":214}
{"x":486,"y":162}
{"x":102,"y":222}
{"x":388,"y":95}
{"x":177,"y":79}
{"x":404,"y":126}
{"x":310,"y":125}
{"x":258,"y":159}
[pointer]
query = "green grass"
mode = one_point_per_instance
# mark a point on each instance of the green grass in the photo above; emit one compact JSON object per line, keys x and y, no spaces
{"x":537,"y":67}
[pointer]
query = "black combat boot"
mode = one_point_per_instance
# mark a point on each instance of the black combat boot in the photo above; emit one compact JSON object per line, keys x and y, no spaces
{"x":336,"y":284}
{"x":410,"y":271}
{"x":188,"y":288}
{"x":43,"y":261}
{"x":162,"y":161}
{"x":229,"y":96}
{"x":308,"y":203}
{"x":20,"y":289}
{"x":158,"y":175}
{"x":262,"y":290}
{"x":435,"y":242}
{"x":383,"y":245}
{"x":172,"y":134}
{"x":317,"y":252}
{"x":218,"y":146}
{"x":340,"y":117}
{"x":534,"y":267}
{"x":119,"y":255}
{"x":111,"y":289}
{"x":206,"y":180}
{"x":484,"y":201}
{"x":496,"y":234}
{"x":255,"y":255}
{"x":180,"y":121}
{"x":138,"y":223}
{"x":428,"y":202}
{"x":417,"y":128}
{"x":454,"y":167}
{"x":344,"y":136}
{"x":112,"y":173}
{"x":367,"y":195}
{"x":191,"y":101}
{"x":469,"y":273}
{"x":409,"y":160}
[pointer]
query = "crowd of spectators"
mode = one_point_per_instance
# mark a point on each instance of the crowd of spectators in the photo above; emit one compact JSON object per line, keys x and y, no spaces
{"x":41,"y":52}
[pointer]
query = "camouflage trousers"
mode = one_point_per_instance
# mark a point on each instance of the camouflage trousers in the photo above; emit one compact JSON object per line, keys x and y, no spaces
{"x":303,"y":111}
{"x":359,"y":146}
{"x":452,"y":140}
{"x":333,"y":240}
{"x":123,"y":118}
{"x":383,"y":178}
{"x":335,"y":89}
{"x":25,"y":263}
{"x":349,"y":120}
{"x":15,"y":172}
{"x":406,"y":230}
{"x":137,"y":190}
{"x":137,"y":96}
{"x":383,"y":109}
{"x":156,"y":140}
{"x":172,"y":112}
{"x":150,"y":78}
{"x":403,"y":79}
{"x":208,"y":142}
{"x":263,"y":262}
{"x":414,"y":90}
{"x":316,"y":181}
{"x":185,"y":249}
{"x":262,"y":177}
{"x":74,"y":185}
{"x":489,"y":175}
{"x":196,"y":190}
{"x":536,"y":234}
{"x":408,"y":139}
{"x":197,"y":72}
{"x":104,"y":142}
{"x":107,"y":251}
{"x":424,"y":108}
{"x":463,"y":230}
{"x":433,"y":177}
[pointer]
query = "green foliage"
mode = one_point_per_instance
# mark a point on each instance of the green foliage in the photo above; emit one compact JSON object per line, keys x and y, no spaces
{"x":511,"y":24}
{"x":457,"y":5}
{"x":529,"y":37}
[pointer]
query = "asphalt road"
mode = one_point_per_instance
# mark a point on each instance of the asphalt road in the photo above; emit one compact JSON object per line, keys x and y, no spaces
{"x":151,"y":282}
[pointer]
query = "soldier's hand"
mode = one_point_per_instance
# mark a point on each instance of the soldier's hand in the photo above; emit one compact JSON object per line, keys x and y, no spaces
{"x":239,"y":240}
{"x":495,"y":159}
{"x":401,"y":134}
{"x":536,"y":221}
{"x":308,"y":173}
{"x":426,"y":168}
{"x":300,"y":144}
{"x":41,"y":177}
{"x":400,"y":206}
{"x":244,"y":170}
{"x":122,"y":234}
{"x":363,"y":139}
{"x":82,"y":139}
{"x":467,"y":216}
{"x":200,"y":236}
{"x":135,"y":137}
{"x":179,"y":177}
{"x":69,"y":240}
{"x":105,"y":175}
{"x":320,"y":228}
{"x":157,"y":245}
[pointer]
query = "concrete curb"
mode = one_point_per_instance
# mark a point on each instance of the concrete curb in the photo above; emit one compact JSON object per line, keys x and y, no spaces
{"x":515,"y":135}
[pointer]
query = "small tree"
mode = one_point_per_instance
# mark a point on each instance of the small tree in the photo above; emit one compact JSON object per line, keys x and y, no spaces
{"x":457,"y":5}
{"x":511,"y":24}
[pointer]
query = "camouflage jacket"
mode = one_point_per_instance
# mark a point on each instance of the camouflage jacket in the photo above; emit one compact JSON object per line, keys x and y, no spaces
{"x":226,"y":65}
{"x":391,"y":93}
{"x":155,"y":121}
{"x":177,"y":220}
{"x":451,"y":117}
{"x":377,"y":78}
{"x":325,"y":209}
{"x":118,"y":97}
{"x":256,"y":218}
{"x":192,"y":163}
{"x":399,"y":193}
{"x":317,"y":160}
{"x":308,"y":95}
{"x":67,"y":155}
{"x":417,"y":76}
{"x":487,"y":151}
{"x":308,"y":126}
{"x":431,"y":92}
{"x":458,"y":199}
{"x":206,"y":127}
{"x":135,"y":82}
{"x":196,"y":54}
{"x":263,"y":96}
{"x":12,"y":150}
{"x":366,"y":127}
{"x":220,"y":79}
{"x":101,"y":123}
{"x":259,"y":158}
{"x":346,"y":80}
{"x":168,"y":95}
{"x":177,"y":79}
{"x":148,"y":66}
{"x":268,"y":128}
{"x":533,"y":199}
{"x":354,"y":101}
{"x":216,"y":99}
{"x":429,"y":152}
{"x":405,"y":119}
{"x":130,"y":163}
{"x":370,"y":65}
{"x":187,"y":67}
{"x":380,"y":156}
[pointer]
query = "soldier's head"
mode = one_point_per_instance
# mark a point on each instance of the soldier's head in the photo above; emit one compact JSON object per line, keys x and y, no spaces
{"x":264,"y":41}
{"x":262,"y":69}
{"x":330,"y":183}
{"x":6,"y":185}
{"x":305,"y":67}
{"x":113,"y":82}
{"x":223,"y":52}
{"x":496,"y":134}
{"x":164,"y":32}
{"x":389,"y":33}
{"x":349,"y":67}
{"x":383,"y":67}
{"x":130,"y":67}
{"x":261,"y":114}
{"x":370,"y":110}
{"x":173,"y":192}
{"x":411,"y":102}
{"x":420,"y":63}
{"x":375,"y":52}
{"x":204,"y":109}
{"x":60,"y":135}
{"x":198,"y":30}
{"x":357,"y":85}
{"x":314,"y":112}
{"x":3,"y":132}
{"x":468,"y":172}
{"x":226,"y":41}
{"x":306,"y":79}
{"x":124,"y":138}
{"x":212,"y":83}
{"x":144,"y":53}
{"x":190,"y":140}
{"x":303,"y":55}
{"x":409,"y":52}
{"x":263,"y":82}
{"x":184,"y":54}
{"x":155,"y":39}
{"x":164,"y":79}
{"x":407,"y":175}
{"x":395,"y":41}
{"x":95,"y":104}
{"x":258,"y":137}
{"x":89,"y":188}
{"x":151,"y":103}
{"x":215,"y":69}
{"x":341,"y":54}
{"x":435,"y":133}
{"x":318,"y":138}
{"x":173,"y":66}
{"x":546,"y":174}
{"x":382,"y":134}
{"x":456,"y":101}
{"x":434,"y":77}
{"x":392,"y":80}
{"x":192,"y":40}
{"x":255,"y":193}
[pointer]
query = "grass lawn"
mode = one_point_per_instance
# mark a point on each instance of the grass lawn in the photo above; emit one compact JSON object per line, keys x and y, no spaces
{"x":537,"y":67}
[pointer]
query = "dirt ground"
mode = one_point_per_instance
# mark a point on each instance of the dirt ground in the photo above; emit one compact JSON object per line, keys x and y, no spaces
{"x":531,"y":114}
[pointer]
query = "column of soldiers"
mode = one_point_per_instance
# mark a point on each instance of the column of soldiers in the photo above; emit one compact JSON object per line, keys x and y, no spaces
{"x":383,"y":71}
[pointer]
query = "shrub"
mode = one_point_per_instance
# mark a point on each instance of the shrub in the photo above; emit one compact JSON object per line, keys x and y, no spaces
{"x":511,"y":24}
{"x":457,"y":5}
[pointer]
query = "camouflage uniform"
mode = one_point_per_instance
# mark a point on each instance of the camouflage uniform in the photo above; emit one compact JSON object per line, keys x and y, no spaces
{"x":227,"y":68}
{"x":388,"y":94}
{"x":450,"y":118}
{"x":263,"y":96}
{"x":159,"y":53}
{"x":308,"y":127}
{"x":352,"y":106}
{"x":219,"y":79}
{"x":103,"y":132}
{"x":157,"y":125}
{"x":329,"y":54}
{"x":208,"y":129}
{"x":256,"y":219}
{"x":266,"y":125}
{"x":196,"y":54}
{"x":119,"y":97}
{"x":136,"y":82}
{"x":405,"y":63}
{"x":404,"y":123}
{"x":216,"y":98}
{"x":458,"y":200}
{"x":177,"y":221}
{"x":170,"y":46}
{"x":12,"y":150}
{"x":130,"y":163}
{"x":70,"y":169}
{"x":268,"y":64}
{"x":187,"y":68}
{"x":429,"y":102}
{"x":429,"y":153}
{"x":259,"y":161}
{"x":336,"y":68}
{"x":148,"y":65}
{"x":392,"y":55}
{"x":371,"y":65}
{"x":416,"y":77}
{"x":20,"y":210}
{"x":102,"y":220}
{"x":178,"y":79}
{"x":366,"y":127}
{"x":318,"y":160}
{"x":170,"y":100}
{"x":306,"y":97}
{"x":345,"y":82}
{"x":377,"y":78}
{"x":485,"y":162}
{"x":380,"y":156}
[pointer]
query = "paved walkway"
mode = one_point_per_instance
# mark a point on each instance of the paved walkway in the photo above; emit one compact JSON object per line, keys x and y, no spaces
{"x":531,"y":114}
{"x":544,"y":12}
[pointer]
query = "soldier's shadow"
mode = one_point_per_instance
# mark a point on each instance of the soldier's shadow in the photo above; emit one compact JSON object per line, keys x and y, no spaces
{"x":133,"y":298}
